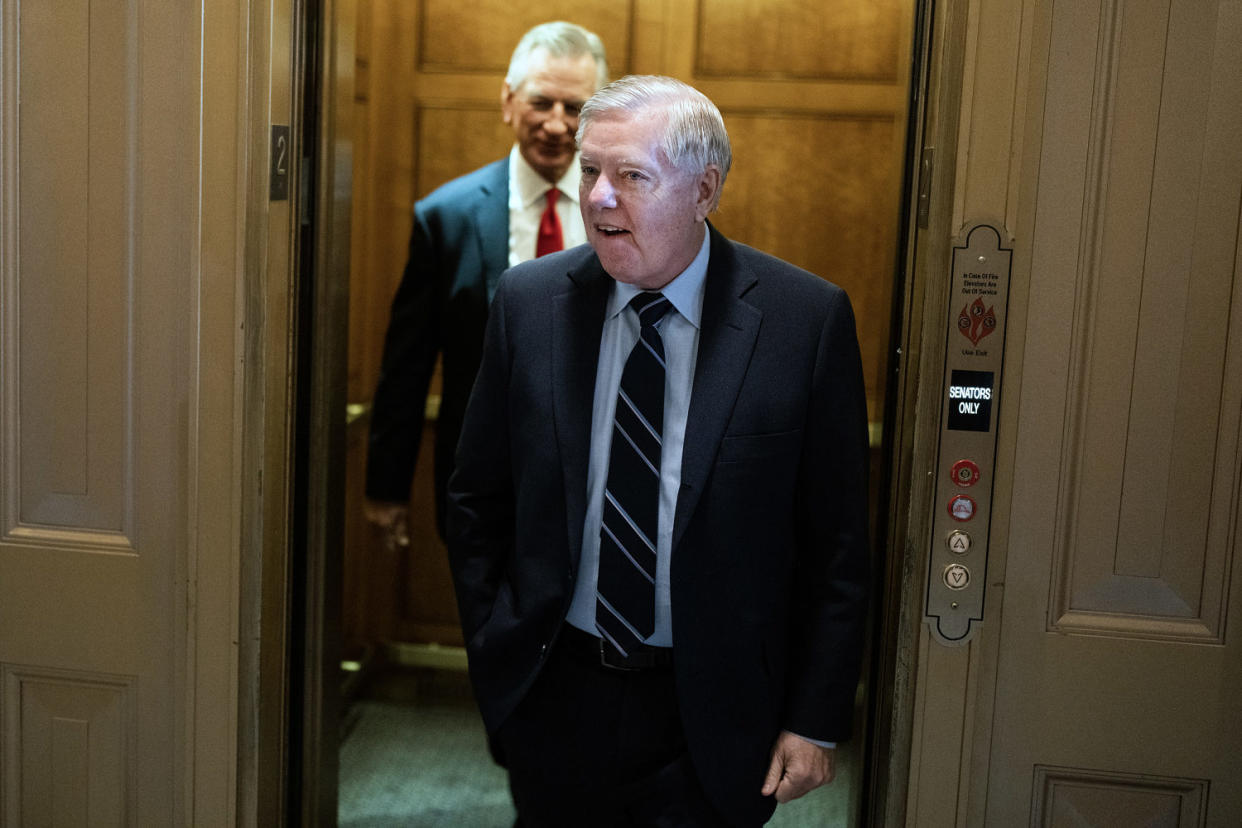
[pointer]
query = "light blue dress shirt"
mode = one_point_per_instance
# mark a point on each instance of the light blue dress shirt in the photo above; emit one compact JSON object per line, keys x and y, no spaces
{"x":679,"y":329}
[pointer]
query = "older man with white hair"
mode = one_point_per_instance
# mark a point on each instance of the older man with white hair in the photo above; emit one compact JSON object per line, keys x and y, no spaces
{"x":465,"y":235}
{"x":658,"y":521}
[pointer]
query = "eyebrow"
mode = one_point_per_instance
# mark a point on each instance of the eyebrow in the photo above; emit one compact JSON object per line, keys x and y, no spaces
{"x":535,"y":92}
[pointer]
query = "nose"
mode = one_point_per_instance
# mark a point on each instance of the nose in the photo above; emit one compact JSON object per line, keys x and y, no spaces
{"x":557,"y":122}
{"x":602,"y":194}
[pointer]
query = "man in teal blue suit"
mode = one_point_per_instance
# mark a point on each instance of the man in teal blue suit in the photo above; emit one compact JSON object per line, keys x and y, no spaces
{"x":465,"y":234}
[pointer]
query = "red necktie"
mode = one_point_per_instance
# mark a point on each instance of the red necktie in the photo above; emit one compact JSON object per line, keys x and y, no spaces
{"x":549,"y":228}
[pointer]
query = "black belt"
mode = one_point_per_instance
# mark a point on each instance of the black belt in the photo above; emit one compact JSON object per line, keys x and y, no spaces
{"x":601,"y":652}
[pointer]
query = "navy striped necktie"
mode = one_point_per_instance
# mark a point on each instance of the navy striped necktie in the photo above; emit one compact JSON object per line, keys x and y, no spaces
{"x":625,"y":591}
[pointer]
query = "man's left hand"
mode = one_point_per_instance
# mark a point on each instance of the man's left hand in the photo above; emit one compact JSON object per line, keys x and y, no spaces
{"x":798,"y":766}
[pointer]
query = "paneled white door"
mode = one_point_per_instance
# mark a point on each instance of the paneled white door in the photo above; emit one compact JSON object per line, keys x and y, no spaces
{"x":1120,"y":598}
{"x":119,"y":239}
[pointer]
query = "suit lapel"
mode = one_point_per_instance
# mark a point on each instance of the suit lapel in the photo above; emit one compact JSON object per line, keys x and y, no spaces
{"x":726,"y":340}
{"x":577,"y":323}
{"x":492,"y":225}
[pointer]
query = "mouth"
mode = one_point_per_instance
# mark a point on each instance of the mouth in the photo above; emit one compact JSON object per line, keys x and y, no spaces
{"x":610,"y":230}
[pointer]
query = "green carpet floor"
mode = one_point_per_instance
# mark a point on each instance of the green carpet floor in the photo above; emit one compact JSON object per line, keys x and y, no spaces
{"x":419,"y":760}
{"x":414,"y":755}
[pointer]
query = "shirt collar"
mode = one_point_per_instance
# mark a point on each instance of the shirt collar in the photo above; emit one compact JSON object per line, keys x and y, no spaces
{"x":527,"y":186}
{"x":685,"y":292}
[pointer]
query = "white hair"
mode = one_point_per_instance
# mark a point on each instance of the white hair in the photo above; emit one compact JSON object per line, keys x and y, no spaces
{"x":694,"y":131}
{"x":561,"y":40}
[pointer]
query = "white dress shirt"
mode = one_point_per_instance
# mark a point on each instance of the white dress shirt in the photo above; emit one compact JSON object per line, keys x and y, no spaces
{"x":527,"y":199}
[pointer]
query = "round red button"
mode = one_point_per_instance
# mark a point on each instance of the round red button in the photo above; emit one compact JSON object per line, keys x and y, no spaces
{"x":962,"y":508}
{"x":965,"y":473}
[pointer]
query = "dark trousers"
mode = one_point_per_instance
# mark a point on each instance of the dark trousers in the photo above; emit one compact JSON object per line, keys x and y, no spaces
{"x":598,"y":747}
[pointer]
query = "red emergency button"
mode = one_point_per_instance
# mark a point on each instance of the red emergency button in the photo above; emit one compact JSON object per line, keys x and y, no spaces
{"x":962,"y":507}
{"x":965,"y":473}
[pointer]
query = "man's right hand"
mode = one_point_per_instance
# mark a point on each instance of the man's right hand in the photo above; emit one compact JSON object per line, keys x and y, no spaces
{"x":393,"y":519}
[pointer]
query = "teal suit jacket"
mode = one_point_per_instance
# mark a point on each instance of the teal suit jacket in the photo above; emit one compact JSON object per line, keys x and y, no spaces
{"x":459,"y":246}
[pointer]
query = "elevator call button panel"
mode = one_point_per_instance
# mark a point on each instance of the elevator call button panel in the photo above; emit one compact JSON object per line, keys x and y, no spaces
{"x":966,"y":454}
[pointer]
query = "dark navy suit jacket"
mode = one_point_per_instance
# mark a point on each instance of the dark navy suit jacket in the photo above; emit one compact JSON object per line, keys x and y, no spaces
{"x":770,"y":559}
{"x":458,"y":248}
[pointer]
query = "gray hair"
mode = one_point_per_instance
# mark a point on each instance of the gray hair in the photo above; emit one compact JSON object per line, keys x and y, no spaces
{"x":560,"y":40}
{"x":694,"y":131}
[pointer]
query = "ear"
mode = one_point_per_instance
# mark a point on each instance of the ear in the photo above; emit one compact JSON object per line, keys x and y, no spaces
{"x":506,"y":102}
{"x":707,"y":192}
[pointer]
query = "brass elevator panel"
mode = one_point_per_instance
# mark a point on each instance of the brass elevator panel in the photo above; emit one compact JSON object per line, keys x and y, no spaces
{"x":970,"y":403}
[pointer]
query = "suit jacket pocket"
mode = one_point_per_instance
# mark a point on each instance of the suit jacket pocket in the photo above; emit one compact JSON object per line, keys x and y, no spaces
{"x":501,"y":609}
{"x":741,"y":448}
